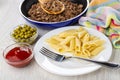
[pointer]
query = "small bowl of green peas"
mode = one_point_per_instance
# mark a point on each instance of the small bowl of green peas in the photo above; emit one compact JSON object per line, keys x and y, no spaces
{"x":24,"y":33}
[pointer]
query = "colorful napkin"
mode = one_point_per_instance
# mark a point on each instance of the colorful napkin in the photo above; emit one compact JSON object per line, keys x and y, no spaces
{"x":104,"y":15}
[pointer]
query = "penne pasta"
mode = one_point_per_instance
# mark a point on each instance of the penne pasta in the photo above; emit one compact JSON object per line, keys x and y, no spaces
{"x":67,"y":40}
{"x":57,"y":47}
{"x":52,"y":41}
{"x":81,"y":29}
{"x":81,"y":34}
{"x":80,"y":54}
{"x":97,"y":50}
{"x":86,"y":38}
{"x":72,"y":44}
{"x":93,"y":37}
{"x":67,"y":33}
{"x":57,"y":38}
{"x":77,"y":42}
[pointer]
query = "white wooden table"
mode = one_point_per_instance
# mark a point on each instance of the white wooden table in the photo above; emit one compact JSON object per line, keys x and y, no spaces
{"x":10,"y":17}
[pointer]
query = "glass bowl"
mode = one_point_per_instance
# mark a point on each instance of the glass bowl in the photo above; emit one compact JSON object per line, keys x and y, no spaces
{"x":24,"y":33}
{"x":18,"y":54}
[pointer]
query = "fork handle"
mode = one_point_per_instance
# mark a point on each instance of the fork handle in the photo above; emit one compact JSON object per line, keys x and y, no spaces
{"x":102,"y":63}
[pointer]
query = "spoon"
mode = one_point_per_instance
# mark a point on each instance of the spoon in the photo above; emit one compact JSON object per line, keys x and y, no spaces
{"x":52,"y":6}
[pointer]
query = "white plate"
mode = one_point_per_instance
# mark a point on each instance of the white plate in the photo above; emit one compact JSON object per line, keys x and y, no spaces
{"x":71,"y":67}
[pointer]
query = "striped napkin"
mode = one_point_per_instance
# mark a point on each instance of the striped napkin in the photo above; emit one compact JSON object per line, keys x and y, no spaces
{"x":104,"y":15}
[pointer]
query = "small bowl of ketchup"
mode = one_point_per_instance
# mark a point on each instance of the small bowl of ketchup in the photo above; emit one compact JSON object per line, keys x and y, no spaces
{"x":18,"y":54}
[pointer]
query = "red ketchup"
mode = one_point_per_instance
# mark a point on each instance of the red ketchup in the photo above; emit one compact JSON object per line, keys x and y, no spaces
{"x":19,"y":56}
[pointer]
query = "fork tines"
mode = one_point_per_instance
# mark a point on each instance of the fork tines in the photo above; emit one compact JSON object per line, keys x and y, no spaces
{"x":51,"y":54}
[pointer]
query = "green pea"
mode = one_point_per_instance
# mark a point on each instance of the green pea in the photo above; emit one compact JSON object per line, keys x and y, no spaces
{"x":16,"y":36}
{"x":23,"y":30}
{"x":19,"y":27}
{"x":28,"y":32}
{"x":22,"y":40}
{"x":25,"y":36}
{"x":34,"y":33}
{"x":23,"y":33}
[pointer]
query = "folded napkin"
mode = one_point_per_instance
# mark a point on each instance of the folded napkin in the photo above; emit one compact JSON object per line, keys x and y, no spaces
{"x":104,"y":15}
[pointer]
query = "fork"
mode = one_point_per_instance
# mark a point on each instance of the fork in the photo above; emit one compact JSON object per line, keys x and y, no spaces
{"x":60,"y":58}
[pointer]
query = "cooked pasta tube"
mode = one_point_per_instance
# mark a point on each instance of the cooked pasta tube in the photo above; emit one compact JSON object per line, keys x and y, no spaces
{"x":57,"y":47}
{"x":67,"y":33}
{"x":81,"y":34}
{"x":57,"y":38}
{"x":80,"y":54}
{"x":80,"y":29}
{"x":72,"y":44}
{"x":52,"y":41}
{"x":93,"y":37}
{"x":77,"y":44}
{"x":86,"y":52}
{"x":67,"y":40}
{"x":97,"y":50}
{"x":86,"y":38}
